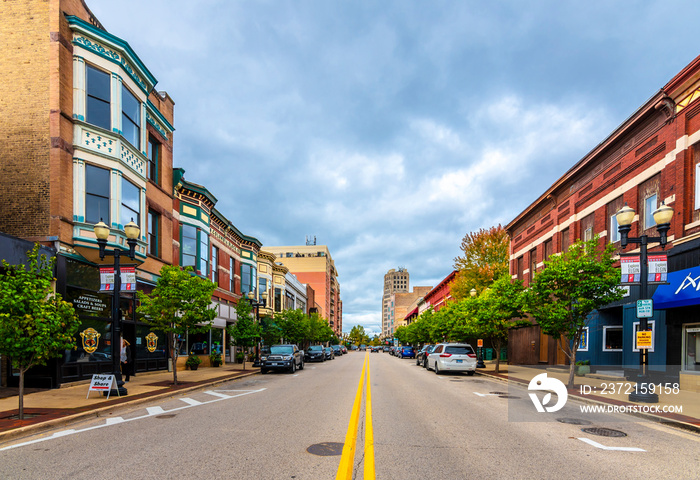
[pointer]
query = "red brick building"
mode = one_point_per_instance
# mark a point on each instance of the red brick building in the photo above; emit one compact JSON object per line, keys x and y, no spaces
{"x":652,"y":158}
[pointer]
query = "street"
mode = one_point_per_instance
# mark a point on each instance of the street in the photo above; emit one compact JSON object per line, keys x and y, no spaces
{"x":425,"y":426}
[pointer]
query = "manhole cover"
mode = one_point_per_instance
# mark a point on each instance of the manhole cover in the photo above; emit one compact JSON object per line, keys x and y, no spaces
{"x":604,"y":432}
{"x":498,"y":393}
{"x":573,"y":421}
{"x":167,"y":415}
{"x":508,"y":396}
{"x":326,"y":449}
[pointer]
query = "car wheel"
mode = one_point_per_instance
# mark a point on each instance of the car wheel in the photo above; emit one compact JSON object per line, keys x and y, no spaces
{"x":470,"y":373}
{"x":437,"y":369}
{"x":417,"y":362}
{"x":263,"y":371}
{"x":425,"y":363}
{"x":293,"y":368}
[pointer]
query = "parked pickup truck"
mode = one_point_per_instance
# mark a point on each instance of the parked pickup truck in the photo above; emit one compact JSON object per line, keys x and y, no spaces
{"x":283,"y":357}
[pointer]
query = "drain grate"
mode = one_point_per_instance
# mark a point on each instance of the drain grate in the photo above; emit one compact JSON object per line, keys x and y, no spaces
{"x":326,"y":449}
{"x":498,"y":393}
{"x":508,"y":396}
{"x":167,"y":415}
{"x":604,"y":432}
{"x":573,"y":421}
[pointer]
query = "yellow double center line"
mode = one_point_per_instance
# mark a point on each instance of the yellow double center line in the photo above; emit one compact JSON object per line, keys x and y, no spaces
{"x":348,"y":458}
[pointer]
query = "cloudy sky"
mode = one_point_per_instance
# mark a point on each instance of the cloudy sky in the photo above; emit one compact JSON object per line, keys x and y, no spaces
{"x":389,"y":129}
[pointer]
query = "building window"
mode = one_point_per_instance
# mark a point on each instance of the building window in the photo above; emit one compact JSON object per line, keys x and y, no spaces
{"x":153,"y":222}
{"x":649,"y":202}
{"x":288,"y":301}
{"x":131,"y":203}
{"x":587,"y":228}
{"x":153,"y":159}
{"x":565,"y":240}
{"x":96,"y":194}
{"x":533,"y":263}
{"x":612,"y":208}
{"x":612,"y":339}
{"x":98,"y":98}
{"x":189,"y":246}
{"x":232,"y":279}
{"x":278,"y":299}
{"x":248,"y":278}
{"x":651,"y":324}
{"x":691,"y":347}
{"x":520,"y":267}
{"x":548,"y":249}
{"x":262,"y":285}
{"x":131,"y":118}
{"x":650,"y":206}
{"x":214,"y":269}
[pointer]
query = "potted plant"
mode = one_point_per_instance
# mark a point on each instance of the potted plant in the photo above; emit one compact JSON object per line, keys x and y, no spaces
{"x":193,"y":361}
{"x":583,"y":367}
{"x":240,"y":356}
{"x":215,"y":358}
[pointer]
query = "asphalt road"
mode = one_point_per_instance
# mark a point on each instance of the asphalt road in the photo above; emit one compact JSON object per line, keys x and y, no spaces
{"x":425,"y":426}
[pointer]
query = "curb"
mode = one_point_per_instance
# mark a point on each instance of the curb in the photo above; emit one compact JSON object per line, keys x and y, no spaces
{"x":590,"y":401}
{"x":100,"y":411}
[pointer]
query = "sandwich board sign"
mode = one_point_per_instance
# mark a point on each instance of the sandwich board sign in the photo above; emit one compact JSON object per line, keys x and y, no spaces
{"x":103,"y":383}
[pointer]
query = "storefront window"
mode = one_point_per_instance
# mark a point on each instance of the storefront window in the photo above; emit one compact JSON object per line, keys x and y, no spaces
{"x":93,"y":342}
{"x":150,"y":343}
{"x":612,"y":339}
{"x":691,"y":347}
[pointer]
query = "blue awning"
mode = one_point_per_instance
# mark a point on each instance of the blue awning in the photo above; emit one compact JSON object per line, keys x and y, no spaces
{"x":683,"y":289}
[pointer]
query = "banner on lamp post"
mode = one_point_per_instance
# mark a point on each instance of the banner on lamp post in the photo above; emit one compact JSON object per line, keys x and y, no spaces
{"x":658,"y":268}
{"x":127,"y":276}
{"x":631,"y":269}
{"x":106,"y":279}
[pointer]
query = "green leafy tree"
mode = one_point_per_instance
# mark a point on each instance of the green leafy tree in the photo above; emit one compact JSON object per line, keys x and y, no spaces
{"x":319,"y":330}
{"x":294,"y":325}
{"x":245,"y":332}
{"x":36,"y":324}
{"x":497,"y":310}
{"x":270,"y":330}
{"x":484,"y":260}
{"x":180,"y":304}
{"x":358,"y":336}
{"x":570,"y":287}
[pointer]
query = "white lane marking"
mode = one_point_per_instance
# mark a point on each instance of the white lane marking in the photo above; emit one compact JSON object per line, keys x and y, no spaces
{"x":155,"y":410}
{"x":114,"y":420}
{"x":192,"y":401}
{"x":487,"y":394}
{"x":603,"y":447}
{"x":217,"y":394}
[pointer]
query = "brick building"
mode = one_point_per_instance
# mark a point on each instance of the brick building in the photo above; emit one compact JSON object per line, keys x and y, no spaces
{"x":650,"y":159}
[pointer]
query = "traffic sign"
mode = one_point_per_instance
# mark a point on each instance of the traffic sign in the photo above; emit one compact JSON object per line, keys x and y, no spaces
{"x":645,"y":308}
{"x":644,"y":340}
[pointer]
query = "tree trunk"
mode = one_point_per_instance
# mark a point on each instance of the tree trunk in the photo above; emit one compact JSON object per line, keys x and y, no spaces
{"x":173,"y":355}
{"x":21,"y":393}
{"x":498,"y":355}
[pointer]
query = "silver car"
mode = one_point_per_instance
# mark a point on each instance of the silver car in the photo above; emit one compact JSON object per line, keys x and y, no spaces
{"x":452,"y":357}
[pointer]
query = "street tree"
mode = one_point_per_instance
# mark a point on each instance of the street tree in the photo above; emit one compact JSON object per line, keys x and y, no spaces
{"x":245,"y":332}
{"x":270,"y":330}
{"x":484,"y":259}
{"x":179,"y":304}
{"x":294,"y":325}
{"x":319,"y":330}
{"x":568,"y":289}
{"x":498,"y":309}
{"x":36,"y":324}
{"x":358,"y":336}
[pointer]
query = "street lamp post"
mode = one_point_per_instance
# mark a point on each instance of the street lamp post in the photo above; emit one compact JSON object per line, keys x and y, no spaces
{"x":132,"y":234}
{"x":480,"y":349}
{"x":662,"y":217}
{"x":256,"y":305}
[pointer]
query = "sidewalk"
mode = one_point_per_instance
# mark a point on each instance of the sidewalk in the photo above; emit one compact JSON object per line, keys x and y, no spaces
{"x":690,"y":401}
{"x":48,"y":408}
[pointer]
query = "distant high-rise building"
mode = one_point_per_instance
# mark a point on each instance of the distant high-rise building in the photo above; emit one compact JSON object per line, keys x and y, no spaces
{"x":395,"y":281}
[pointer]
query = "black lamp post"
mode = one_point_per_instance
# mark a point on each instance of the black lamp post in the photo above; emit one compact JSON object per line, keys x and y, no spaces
{"x":662,"y":217}
{"x":256,"y":304}
{"x":102,"y":233}
{"x":480,"y":357}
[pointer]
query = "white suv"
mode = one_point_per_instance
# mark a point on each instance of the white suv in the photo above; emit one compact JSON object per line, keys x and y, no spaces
{"x":452,"y":357}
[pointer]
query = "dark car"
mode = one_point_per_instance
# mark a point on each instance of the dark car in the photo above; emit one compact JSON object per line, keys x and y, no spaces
{"x":328,"y":351}
{"x":283,"y":357}
{"x":337,"y":350}
{"x":386,"y":348}
{"x":314,"y":353}
{"x":407,"y":352}
{"x":422,"y":355}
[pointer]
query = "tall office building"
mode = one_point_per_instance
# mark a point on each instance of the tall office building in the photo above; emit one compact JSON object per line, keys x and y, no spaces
{"x":395,"y":281}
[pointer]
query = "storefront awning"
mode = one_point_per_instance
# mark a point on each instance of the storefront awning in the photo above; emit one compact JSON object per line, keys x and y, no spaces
{"x":683,"y":289}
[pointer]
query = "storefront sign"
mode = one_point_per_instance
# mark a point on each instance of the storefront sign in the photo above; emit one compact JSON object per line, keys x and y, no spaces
{"x":644,"y":340}
{"x":658,"y":268}
{"x":102,"y":383}
{"x":683,"y":289}
{"x":631,"y":269}
{"x":151,"y":342}
{"x":480,"y":342}
{"x":91,"y":339}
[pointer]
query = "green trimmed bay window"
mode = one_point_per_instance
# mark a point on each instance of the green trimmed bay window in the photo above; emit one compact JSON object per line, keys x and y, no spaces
{"x":249,"y":279}
{"x":194,"y":248}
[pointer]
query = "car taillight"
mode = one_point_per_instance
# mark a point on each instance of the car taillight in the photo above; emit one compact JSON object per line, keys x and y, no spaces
{"x":471,"y":355}
{"x":445,"y":355}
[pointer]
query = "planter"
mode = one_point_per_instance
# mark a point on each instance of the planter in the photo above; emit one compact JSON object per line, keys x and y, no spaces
{"x":215,"y":364}
{"x":194,"y":367}
{"x":582,"y":370}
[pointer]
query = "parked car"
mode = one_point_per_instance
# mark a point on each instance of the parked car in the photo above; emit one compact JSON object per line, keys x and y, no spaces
{"x":386,"y":348}
{"x":407,"y":352}
{"x":328,"y":352}
{"x":337,"y":350}
{"x":422,"y":355}
{"x":373,"y":349}
{"x":345,"y":349}
{"x":283,"y":357}
{"x":314,"y":353}
{"x":452,"y":357}
{"x":363,"y":347}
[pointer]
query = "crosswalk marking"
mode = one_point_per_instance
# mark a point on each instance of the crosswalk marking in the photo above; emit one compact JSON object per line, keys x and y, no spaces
{"x":191,"y":401}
